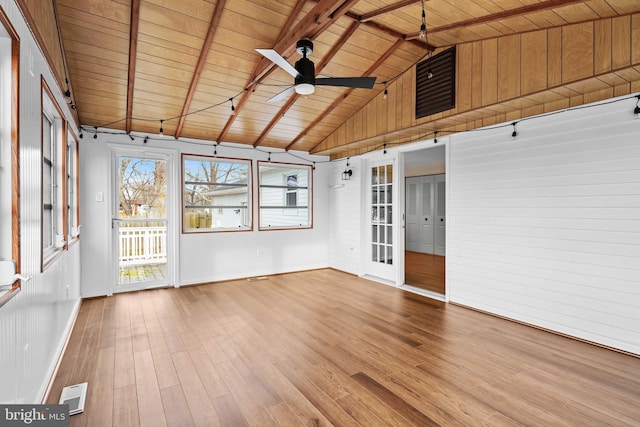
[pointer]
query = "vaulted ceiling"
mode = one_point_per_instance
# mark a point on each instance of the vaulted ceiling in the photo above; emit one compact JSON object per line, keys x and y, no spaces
{"x":138,"y":65}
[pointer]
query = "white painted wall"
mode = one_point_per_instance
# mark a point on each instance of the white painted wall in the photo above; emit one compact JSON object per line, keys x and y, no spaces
{"x":34,"y":325}
{"x":202,"y":257}
{"x":545,"y":228}
{"x":345,"y":212}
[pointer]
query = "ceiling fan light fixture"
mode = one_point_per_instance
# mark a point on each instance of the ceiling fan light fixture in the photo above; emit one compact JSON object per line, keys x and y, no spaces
{"x":305,"y":88}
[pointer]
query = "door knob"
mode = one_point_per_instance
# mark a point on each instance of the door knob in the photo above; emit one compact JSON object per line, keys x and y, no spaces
{"x":426,"y":219}
{"x":441,"y":219}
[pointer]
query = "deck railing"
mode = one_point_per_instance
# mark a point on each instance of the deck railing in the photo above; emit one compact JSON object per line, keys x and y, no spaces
{"x":142,"y":245}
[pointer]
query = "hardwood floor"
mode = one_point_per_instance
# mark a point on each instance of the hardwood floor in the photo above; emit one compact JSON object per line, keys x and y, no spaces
{"x":425,"y":271}
{"x":324,"y":347}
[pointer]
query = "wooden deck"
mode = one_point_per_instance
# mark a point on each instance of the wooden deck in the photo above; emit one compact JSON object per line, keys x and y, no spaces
{"x":327,"y":348}
{"x":142,"y":273}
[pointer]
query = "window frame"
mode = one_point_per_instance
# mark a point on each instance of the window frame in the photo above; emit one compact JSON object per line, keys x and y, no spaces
{"x":287,"y":189}
{"x":52,"y":111}
{"x":12,"y":121}
{"x":72,"y":172}
{"x":246,"y":205}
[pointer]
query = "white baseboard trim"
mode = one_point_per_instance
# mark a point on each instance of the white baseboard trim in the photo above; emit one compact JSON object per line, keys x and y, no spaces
{"x":45,"y":389}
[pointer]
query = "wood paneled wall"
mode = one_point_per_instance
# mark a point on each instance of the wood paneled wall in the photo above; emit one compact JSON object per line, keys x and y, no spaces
{"x":504,"y":79}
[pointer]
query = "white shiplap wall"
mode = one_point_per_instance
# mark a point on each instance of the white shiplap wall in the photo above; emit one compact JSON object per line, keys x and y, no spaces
{"x":345,"y":216}
{"x":545,"y":228}
{"x":35,"y":324}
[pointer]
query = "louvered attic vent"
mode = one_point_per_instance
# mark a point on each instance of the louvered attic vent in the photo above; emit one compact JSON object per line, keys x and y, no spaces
{"x":437,"y":93}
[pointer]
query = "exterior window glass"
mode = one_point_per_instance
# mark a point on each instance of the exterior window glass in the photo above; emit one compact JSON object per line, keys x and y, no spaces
{"x":72,"y":187}
{"x":285,"y":195}
{"x":53,"y":214}
{"x":9,"y":149}
{"x":216,"y":194}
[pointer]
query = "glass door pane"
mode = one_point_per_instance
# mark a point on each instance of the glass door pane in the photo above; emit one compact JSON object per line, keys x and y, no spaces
{"x":381,"y":208}
{"x":141,"y":221}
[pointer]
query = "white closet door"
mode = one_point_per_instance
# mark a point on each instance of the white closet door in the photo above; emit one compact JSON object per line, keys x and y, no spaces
{"x":420,"y":199}
{"x":440,"y":221}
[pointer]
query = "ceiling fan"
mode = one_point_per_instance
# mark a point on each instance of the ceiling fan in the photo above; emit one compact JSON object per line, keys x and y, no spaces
{"x":304,"y":73}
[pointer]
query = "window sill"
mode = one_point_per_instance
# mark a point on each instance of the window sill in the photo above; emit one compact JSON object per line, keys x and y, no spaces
{"x":7,"y":295}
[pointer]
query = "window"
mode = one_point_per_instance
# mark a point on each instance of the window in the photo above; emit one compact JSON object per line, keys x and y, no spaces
{"x":216,"y":194}
{"x":285,"y":195}
{"x":53,"y":215}
{"x":73,"y":230}
{"x":9,"y":158}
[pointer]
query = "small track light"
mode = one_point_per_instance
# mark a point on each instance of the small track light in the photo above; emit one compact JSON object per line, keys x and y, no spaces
{"x":514,"y":133}
{"x":386,"y":92}
{"x":269,"y":157}
{"x":95,"y":135}
{"x":384,"y":148}
{"x":233,"y":107}
{"x":215,"y":149}
{"x":636,"y":111}
{"x":161,"y":129}
{"x":146,"y":138}
{"x":435,"y":136}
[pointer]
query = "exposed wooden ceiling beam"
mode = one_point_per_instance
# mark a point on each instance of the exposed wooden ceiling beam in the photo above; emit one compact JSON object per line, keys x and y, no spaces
{"x":202,"y":59}
{"x":318,"y":17}
{"x":294,"y":97}
{"x":532,"y":8}
{"x":344,"y":94}
{"x":387,"y":9}
{"x":133,"y":52}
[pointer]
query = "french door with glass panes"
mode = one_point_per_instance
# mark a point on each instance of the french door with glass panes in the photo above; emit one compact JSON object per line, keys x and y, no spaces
{"x":141,"y":222}
{"x":381,"y":253}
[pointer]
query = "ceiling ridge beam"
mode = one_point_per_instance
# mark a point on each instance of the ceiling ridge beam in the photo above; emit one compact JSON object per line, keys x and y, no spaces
{"x":318,"y":16}
{"x":344,"y":95}
{"x":323,"y":63}
{"x":387,"y":9}
{"x":202,"y":59}
{"x":134,"y":22}
{"x":524,"y":10}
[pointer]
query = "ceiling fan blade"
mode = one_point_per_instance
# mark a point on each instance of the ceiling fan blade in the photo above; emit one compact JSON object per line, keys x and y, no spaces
{"x":282,"y":95}
{"x":357,"y":82}
{"x":275,"y":57}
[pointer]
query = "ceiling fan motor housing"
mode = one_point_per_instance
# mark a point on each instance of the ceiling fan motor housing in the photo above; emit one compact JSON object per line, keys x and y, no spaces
{"x":306,"y":70}
{"x":305,"y":81}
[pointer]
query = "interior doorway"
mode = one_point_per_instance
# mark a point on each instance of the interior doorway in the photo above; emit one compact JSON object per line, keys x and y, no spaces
{"x":425,"y":220}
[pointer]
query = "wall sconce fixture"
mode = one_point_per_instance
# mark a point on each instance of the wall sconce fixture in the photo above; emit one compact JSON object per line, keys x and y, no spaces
{"x":346,"y":175}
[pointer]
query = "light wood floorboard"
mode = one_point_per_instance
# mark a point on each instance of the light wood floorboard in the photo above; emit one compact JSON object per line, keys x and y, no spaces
{"x":324,"y":348}
{"x":425,"y":271}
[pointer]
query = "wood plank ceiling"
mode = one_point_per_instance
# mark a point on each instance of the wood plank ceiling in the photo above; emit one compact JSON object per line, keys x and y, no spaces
{"x":135,"y":63}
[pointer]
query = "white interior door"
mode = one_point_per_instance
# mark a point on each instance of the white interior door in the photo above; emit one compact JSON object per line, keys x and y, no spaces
{"x":419,"y":214}
{"x":440,"y":215}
